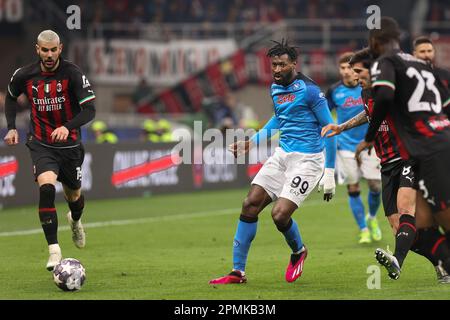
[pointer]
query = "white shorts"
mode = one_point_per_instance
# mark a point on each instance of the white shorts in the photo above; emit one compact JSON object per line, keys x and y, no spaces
{"x":348,"y":170}
{"x":291,"y":175}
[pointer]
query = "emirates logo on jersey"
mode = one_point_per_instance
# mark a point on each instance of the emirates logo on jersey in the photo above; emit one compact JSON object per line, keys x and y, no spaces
{"x":49,"y":104}
{"x":286,"y":98}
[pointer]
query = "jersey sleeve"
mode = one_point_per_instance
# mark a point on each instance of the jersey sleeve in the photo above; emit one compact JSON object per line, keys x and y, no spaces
{"x":329,"y":97}
{"x":382,"y":73}
{"x":319,"y":106}
{"x":266,"y":132}
{"x":445,"y":97}
{"x":16,"y":84}
{"x":81,"y":87}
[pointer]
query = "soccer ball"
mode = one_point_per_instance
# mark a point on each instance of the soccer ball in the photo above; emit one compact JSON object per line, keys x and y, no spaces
{"x":69,"y":274}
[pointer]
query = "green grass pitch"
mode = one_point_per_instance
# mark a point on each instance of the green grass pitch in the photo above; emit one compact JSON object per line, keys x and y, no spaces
{"x":170,"y":246}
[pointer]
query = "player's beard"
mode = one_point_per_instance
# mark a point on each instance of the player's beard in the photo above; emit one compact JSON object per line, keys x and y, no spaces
{"x":285,"y":79}
{"x":350,"y":81}
{"x":51,"y":66}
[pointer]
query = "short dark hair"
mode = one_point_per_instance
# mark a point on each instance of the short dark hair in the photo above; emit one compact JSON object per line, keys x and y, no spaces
{"x":420,"y":40}
{"x":389,"y":30}
{"x":363,"y":56}
{"x":281,"y":48}
{"x":345,"y":57}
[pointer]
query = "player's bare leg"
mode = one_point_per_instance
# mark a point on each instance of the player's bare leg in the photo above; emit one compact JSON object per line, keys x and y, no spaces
{"x":75,"y":201}
{"x":256,"y":200}
{"x":430,"y":241}
{"x":281,"y":215}
{"x":428,"y":235}
{"x":49,"y":217}
{"x":405,"y":236}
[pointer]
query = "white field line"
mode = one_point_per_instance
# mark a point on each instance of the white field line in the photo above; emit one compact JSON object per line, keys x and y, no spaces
{"x":101,"y":224}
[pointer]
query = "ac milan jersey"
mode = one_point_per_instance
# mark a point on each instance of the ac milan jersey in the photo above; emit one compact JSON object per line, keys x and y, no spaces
{"x":55,"y":98}
{"x":417,"y":116}
{"x":385,"y":143}
{"x":444,"y":76}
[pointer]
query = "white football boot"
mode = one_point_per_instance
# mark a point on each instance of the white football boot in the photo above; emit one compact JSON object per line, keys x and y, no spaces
{"x":78,"y":234}
{"x":55,"y":256}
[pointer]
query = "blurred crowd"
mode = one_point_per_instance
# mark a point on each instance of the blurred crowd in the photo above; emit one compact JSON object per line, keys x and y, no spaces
{"x":223,"y":113}
{"x":232,"y":11}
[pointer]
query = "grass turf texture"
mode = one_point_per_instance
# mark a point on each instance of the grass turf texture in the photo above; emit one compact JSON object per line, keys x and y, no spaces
{"x":170,"y":246}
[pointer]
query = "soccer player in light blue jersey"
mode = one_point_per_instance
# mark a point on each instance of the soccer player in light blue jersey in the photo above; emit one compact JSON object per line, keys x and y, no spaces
{"x":295,"y":168}
{"x":345,"y":97}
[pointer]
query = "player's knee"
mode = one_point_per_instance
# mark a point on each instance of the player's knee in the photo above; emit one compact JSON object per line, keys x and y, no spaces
{"x":280,"y":217}
{"x":406,"y":206}
{"x":47,"y":195}
{"x":353,"y":188}
{"x":374,"y":186}
{"x":73,"y":197}
{"x":251,"y":206}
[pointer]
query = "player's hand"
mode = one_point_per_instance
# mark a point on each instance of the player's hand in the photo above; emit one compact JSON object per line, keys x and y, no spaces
{"x":239,"y":148}
{"x":334,"y":128}
{"x":328,"y":184}
{"x":60,"y":134}
{"x":363,"y":145}
{"x":12,"y":137}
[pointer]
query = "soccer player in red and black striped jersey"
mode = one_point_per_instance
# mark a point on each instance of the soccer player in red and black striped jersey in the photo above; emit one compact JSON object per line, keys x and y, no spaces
{"x":61,"y":100}
{"x":397,"y":175}
{"x":408,"y":94}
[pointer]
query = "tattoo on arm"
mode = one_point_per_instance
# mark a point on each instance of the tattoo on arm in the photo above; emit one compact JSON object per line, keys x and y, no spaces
{"x":356,"y":121}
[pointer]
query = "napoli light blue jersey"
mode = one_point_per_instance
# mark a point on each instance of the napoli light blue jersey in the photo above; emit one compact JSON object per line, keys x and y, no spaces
{"x":348,"y":103}
{"x":301,"y":110}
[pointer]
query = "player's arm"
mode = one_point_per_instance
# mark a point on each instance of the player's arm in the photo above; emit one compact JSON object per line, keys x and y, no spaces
{"x":11,"y":106}
{"x":329,"y":97}
{"x":322,"y":112}
{"x":266,"y":132}
{"x":383,"y":89}
{"x":242,"y":147}
{"x":445,"y":95}
{"x":86,"y":114}
{"x":85,"y":95}
{"x":83,"y":92}
{"x":323,"y":115}
{"x":336,"y":129}
{"x":446,"y":107}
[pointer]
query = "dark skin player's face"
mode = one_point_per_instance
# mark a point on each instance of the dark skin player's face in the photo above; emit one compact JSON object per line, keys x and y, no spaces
{"x":374,"y":46}
{"x":49,"y":53}
{"x":283,"y":69}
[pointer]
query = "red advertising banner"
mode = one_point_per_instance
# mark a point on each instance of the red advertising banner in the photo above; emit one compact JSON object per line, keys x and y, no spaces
{"x":120,"y":171}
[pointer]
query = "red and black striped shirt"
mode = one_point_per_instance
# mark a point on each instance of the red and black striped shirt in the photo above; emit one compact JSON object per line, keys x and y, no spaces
{"x":417,"y":104}
{"x":55,"y":98}
{"x":386,"y":143}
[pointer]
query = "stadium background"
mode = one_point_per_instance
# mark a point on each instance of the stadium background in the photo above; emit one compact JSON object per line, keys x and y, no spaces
{"x":174,"y":62}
